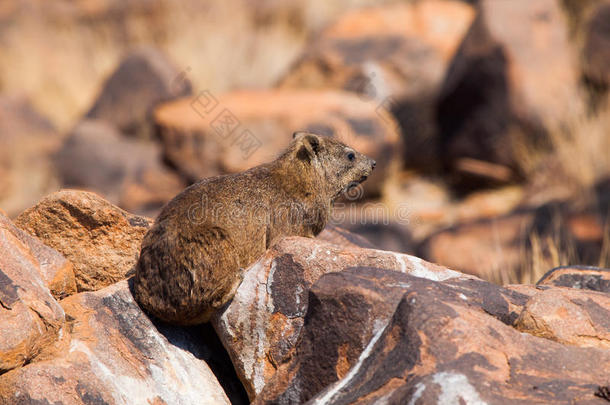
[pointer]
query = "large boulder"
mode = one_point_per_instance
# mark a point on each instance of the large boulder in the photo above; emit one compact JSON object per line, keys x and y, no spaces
{"x":569,"y":316}
{"x":144,"y":79}
{"x":235,"y":131}
{"x":27,"y":143}
{"x":582,"y":277}
{"x":342,"y":237}
{"x":116,"y":356}
{"x":56,"y":271}
{"x":125,"y":171}
{"x":101,"y":240}
{"x":348,"y":309}
{"x":31,"y":321}
{"x":396,"y":55}
{"x":507,"y":83}
{"x":262,"y":324}
{"x":521,"y":245}
{"x":492,"y":248}
{"x":227,"y":44}
{"x":436,"y":342}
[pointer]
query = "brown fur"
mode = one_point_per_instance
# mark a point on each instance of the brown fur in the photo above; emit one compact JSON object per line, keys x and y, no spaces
{"x":192,"y":259}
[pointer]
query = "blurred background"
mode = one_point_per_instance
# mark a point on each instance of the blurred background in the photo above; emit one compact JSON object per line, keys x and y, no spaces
{"x":489,"y":119}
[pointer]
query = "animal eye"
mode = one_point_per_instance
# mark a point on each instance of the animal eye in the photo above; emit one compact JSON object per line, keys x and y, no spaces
{"x":351,"y":156}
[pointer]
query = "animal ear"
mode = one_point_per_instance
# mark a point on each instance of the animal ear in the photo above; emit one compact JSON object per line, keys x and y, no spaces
{"x":308,"y":145}
{"x":313,"y":141}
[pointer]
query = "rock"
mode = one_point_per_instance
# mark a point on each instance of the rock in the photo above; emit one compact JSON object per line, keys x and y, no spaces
{"x":583,"y":277}
{"x":101,"y":240}
{"x":236,"y":44}
{"x":116,"y":356}
{"x":488,"y":248}
{"x":144,"y":79}
{"x":235,"y":131}
{"x":345,"y":312}
{"x":342,"y":237}
{"x":27,"y":143}
{"x":394,"y":54}
{"x":260,"y":327}
{"x":393,"y":236}
{"x":31,"y":321}
{"x":506,"y":83}
{"x":568,"y":316}
{"x":125,"y":171}
{"x":56,"y":272}
{"x":519,"y":246}
{"x":453,"y":342}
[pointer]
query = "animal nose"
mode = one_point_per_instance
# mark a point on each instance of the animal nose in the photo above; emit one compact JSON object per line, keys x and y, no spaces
{"x":373,"y":164}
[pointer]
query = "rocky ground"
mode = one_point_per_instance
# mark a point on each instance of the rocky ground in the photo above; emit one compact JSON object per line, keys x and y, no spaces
{"x":489,"y":122}
{"x":326,"y":320}
{"x":488,"y":138}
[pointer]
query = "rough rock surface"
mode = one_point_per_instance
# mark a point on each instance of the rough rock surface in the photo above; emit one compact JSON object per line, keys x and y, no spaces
{"x":56,"y":271}
{"x":585,"y":277}
{"x":486,"y":246}
{"x":125,"y":171}
{"x":505,"y":84}
{"x":144,"y":78}
{"x":30,"y":318}
{"x":493,"y":247}
{"x":347,"y":309}
{"x":342,"y":237}
{"x":116,"y":356}
{"x":235,"y":131}
{"x":27,"y":143}
{"x":450,"y":342}
{"x":396,"y":55}
{"x":569,"y":316}
{"x":101,"y":240}
{"x":259,"y":328}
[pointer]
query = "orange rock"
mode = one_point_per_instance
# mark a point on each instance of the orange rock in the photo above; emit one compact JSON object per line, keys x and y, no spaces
{"x":259,"y":328}
{"x":342,"y":237}
{"x":568,"y":316}
{"x":234,"y":131}
{"x":387,"y":37}
{"x":101,"y":240}
{"x":31,"y":321}
{"x":584,"y":277}
{"x":485,"y":247}
{"x":396,"y":55}
{"x":116,"y":356}
{"x":508,"y":82}
{"x":127,"y":172}
{"x":446,"y":344}
{"x":57,"y":273}
{"x":372,"y":335}
{"x":144,"y":78}
{"x":586,"y":227}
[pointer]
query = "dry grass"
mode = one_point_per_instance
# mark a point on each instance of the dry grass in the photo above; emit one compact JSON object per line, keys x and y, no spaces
{"x":577,"y":160}
{"x":583,"y":149}
{"x":542,"y":252}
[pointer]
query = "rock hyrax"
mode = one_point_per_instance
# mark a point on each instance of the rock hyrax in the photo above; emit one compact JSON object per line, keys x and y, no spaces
{"x":194,"y":256}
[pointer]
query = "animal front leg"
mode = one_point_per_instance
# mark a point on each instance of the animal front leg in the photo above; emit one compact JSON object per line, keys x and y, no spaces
{"x":232,"y":291}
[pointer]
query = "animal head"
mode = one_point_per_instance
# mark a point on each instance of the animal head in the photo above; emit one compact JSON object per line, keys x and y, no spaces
{"x":341,"y":166}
